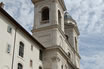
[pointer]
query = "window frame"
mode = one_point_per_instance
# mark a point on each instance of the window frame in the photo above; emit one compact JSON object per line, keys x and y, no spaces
{"x":20,"y":66}
{"x":44,"y":11}
{"x":8,"y":48}
{"x":59,"y":18}
{"x":40,"y":67}
{"x":31,"y":63}
{"x":40,"y":55}
{"x":32,"y":47}
{"x":21,"y":49}
{"x":9,"y":29}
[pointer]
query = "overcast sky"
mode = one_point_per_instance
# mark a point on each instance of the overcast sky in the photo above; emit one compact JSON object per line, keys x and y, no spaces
{"x":89,"y":15}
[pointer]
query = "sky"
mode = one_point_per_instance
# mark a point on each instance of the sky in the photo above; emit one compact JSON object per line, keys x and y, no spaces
{"x":89,"y":15}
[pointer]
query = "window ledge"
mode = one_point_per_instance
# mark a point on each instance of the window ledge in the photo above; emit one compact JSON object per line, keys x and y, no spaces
{"x":21,"y":58}
{"x":45,"y":22}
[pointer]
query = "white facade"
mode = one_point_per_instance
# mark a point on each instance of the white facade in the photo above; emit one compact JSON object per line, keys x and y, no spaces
{"x":13,"y":39}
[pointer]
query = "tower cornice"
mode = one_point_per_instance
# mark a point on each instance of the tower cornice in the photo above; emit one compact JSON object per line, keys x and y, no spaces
{"x":63,"y":34}
{"x":58,"y":48}
{"x":70,"y":25}
{"x":61,"y":2}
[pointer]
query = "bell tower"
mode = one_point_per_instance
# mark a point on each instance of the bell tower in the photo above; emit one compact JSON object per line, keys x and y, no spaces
{"x":50,"y":29}
{"x":48,"y":20}
{"x":71,"y":31}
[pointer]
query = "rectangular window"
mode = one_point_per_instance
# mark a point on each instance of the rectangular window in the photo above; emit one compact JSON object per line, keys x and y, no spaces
{"x":40,"y":55}
{"x":9,"y":29}
{"x":21,"y":49}
{"x":31,"y":63}
{"x":76,"y":44}
{"x":8,"y":48}
{"x":31,"y":47}
{"x":61,"y":66}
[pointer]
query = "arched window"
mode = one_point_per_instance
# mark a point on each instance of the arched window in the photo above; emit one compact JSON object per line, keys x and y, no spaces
{"x":69,"y":55}
{"x":67,"y":37}
{"x":40,"y":55}
{"x":40,"y":67}
{"x":59,"y":17}
{"x":21,"y":49}
{"x":61,"y":66}
{"x":20,"y":66}
{"x":45,"y":13}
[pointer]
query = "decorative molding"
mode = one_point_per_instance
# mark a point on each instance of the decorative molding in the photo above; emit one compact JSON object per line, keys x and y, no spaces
{"x":55,"y":58}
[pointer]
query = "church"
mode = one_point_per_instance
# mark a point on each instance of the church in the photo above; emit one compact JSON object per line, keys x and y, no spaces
{"x":52,"y":45}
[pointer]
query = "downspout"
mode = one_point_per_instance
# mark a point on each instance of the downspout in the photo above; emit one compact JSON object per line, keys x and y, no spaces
{"x":14,"y":48}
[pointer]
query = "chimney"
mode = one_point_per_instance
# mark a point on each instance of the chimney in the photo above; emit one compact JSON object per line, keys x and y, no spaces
{"x":1,"y":4}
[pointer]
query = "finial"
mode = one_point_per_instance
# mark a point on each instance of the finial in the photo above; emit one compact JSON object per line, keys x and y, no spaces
{"x":1,"y":4}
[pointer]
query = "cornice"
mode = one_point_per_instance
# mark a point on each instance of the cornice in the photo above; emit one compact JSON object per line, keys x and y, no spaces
{"x":63,"y":53}
{"x":62,"y":3}
{"x":60,"y":30}
{"x":70,"y":25}
{"x":45,"y":28}
{"x":69,"y":44}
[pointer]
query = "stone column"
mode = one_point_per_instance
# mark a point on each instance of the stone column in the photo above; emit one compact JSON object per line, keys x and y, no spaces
{"x":54,"y":12}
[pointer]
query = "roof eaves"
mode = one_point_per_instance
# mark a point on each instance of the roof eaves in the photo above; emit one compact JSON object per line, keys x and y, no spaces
{"x":19,"y":26}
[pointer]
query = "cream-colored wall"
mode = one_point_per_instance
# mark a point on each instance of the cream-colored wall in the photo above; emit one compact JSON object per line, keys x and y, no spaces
{"x":53,"y":6}
{"x":47,"y":37}
{"x":8,"y":38}
{"x":5,"y":39}
{"x":53,"y":38}
{"x":54,"y":59}
{"x":38,"y":8}
{"x":28,"y":54}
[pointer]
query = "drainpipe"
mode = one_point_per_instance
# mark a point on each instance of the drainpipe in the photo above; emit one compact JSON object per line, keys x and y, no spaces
{"x":14,"y":48}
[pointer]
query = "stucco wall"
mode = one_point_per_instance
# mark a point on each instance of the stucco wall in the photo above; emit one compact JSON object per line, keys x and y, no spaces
{"x":8,"y":38}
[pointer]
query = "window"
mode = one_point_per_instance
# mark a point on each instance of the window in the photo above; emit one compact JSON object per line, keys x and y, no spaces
{"x":40,"y":67}
{"x":31,"y":63}
{"x":61,"y":66}
{"x":65,"y":66}
{"x":67,"y":37}
{"x":31,"y":47}
{"x":8,"y":48}
{"x":76,"y":44}
{"x":21,"y":49}
{"x":20,"y":66}
{"x":69,"y":55}
{"x":9,"y":29}
{"x":45,"y":13}
{"x":59,"y":18}
{"x":40,"y":55}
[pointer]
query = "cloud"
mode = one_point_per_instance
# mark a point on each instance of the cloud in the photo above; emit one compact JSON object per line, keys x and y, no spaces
{"x":93,"y":61}
{"x":88,"y":14}
{"x":22,"y":11}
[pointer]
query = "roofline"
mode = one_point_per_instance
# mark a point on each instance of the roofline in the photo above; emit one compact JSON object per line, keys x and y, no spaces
{"x":19,"y":26}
